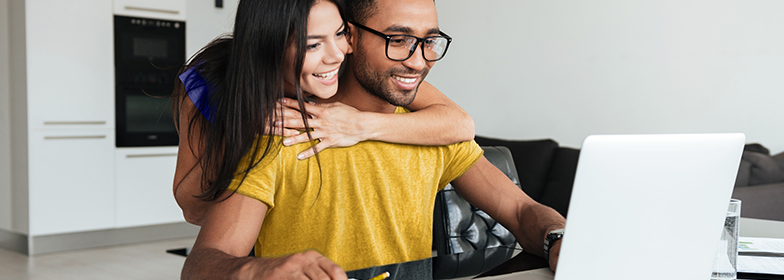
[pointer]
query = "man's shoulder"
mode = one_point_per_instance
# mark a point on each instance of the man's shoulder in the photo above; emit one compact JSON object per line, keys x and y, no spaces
{"x":408,"y":150}
{"x":270,"y":147}
{"x":467,"y":147}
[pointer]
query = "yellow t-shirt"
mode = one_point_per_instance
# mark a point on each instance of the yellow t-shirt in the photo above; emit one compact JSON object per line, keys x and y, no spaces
{"x":370,"y":204}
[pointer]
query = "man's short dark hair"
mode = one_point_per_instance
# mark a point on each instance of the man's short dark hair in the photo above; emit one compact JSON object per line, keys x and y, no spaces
{"x":360,"y":10}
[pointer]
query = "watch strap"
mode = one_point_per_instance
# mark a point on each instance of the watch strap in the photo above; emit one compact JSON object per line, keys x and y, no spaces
{"x":552,"y":236}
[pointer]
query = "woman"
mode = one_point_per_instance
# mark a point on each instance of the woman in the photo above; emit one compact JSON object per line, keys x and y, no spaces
{"x":241,"y":86}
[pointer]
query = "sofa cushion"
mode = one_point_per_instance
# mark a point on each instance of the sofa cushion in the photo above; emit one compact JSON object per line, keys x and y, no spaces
{"x":532,"y":158}
{"x":763,"y":169}
{"x":757,"y":148}
{"x":558,"y":189}
{"x":761,"y":201}
{"x":779,"y":159}
{"x":744,"y":172}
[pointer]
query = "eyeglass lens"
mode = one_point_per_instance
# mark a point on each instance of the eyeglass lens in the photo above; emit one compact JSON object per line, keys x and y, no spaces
{"x":402,"y":46}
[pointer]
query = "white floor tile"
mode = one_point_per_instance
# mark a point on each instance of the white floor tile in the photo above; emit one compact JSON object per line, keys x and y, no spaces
{"x":137,"y":261}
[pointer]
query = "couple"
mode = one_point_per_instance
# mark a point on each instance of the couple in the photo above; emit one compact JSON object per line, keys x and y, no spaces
{"x":346,"y":208}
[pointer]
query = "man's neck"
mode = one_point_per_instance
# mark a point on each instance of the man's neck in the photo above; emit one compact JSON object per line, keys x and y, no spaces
{"x":351,"y":93}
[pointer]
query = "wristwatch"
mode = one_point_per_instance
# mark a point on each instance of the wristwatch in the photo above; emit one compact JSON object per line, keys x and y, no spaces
{"x":552,"y":236}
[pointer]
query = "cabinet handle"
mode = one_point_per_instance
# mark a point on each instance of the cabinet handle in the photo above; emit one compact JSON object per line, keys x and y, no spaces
{"x":75,"y":137}
{"x":152,"y":10}
{"x":151,"y":155}
{"x":76,"y":123}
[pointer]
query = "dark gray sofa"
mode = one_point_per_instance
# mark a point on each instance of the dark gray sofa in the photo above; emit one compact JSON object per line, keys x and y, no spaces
{"x":546,"y":173}
{"x":545,"y":169}
{"x":760,"y":184}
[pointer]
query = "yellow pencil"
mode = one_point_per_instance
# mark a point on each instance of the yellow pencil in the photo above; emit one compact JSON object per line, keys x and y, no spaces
{"x":381,"y":276}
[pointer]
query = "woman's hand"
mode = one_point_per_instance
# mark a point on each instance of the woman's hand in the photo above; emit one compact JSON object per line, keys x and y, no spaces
{"x":335,"y":124}
{"x":287,"y":113}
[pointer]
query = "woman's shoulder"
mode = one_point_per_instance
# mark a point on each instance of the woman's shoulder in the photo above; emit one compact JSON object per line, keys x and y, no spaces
{"x":198,"y":91}
{"x":204,"y":74}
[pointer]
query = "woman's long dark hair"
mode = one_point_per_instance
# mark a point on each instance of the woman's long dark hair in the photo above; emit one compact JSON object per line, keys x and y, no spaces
{"x":245,"y":71}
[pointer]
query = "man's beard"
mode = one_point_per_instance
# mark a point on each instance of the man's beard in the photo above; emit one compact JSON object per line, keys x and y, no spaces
{"x":377,"y":82}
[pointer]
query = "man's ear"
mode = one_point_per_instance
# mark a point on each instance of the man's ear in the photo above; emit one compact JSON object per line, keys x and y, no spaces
{"x":352,"y":38}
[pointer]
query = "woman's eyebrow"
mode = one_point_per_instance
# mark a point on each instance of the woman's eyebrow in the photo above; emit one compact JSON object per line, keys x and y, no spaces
{"x":342,"y":26}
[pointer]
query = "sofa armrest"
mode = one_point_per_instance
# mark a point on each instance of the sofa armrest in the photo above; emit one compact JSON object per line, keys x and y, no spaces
{"x":459,"y":227}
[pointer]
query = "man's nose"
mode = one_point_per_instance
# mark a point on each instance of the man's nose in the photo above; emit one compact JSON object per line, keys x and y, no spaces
{"x":417,"y":60}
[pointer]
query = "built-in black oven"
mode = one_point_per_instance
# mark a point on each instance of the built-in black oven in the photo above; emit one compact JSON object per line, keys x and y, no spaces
{"x":147,"y":56}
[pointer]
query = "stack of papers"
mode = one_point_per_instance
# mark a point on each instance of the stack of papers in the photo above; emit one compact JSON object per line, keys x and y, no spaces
{"x":761,"y":255}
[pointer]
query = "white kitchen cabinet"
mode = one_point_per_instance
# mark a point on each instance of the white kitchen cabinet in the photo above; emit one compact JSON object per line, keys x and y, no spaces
{"x":71,"y":180}
{"x":143,"y":182}
{"x":69,"y":50}
{"x":70,"y":64}
{"x":158,"y":9}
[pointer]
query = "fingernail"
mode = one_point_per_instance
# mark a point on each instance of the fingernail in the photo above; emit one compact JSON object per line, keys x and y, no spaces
{"x":278,"y":123}
{"x":287,"y":142}
{"x":301,"y":156}
{"x":283,"y":100}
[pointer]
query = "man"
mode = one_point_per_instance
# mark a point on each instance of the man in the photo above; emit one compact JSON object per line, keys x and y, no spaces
{"x":369,"y":204}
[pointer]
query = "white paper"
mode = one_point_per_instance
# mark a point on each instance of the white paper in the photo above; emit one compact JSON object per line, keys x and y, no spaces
{"x":761,"y":265}
{"x":760,"y":245}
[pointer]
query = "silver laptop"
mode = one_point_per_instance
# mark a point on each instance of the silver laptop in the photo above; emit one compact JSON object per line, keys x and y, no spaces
{"x":646,"y":207}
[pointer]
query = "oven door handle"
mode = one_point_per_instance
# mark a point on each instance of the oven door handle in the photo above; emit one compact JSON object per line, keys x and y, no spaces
{"x":151,"y":155}
{"x":70,"y":137}
{"x":74,"y":122}
{"x":144,"y":9}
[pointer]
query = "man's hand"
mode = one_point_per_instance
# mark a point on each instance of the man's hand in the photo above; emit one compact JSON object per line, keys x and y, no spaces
{"x":306,"y":265}
{"x":335,"y":124}
{"x":555,"y":252}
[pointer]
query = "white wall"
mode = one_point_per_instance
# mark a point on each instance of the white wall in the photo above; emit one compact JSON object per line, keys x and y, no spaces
{"x":5,"y":123}
{"x":205,"y":22}
{"x":565,"y":69}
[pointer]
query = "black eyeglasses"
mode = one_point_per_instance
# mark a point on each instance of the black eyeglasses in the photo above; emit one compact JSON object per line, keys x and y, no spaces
{"x":400,"y":46}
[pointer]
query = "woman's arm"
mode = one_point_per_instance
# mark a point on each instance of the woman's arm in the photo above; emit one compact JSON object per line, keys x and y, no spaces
{"x":434,"y":120}
{"x":188,"y":173}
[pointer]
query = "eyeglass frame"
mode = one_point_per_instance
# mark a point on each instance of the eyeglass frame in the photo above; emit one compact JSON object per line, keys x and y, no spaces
{"x":412,"y":50}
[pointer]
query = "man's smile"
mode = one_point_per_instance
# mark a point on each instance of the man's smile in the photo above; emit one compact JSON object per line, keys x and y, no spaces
{"x":406,"y":83}
{"x":406,"y":80}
